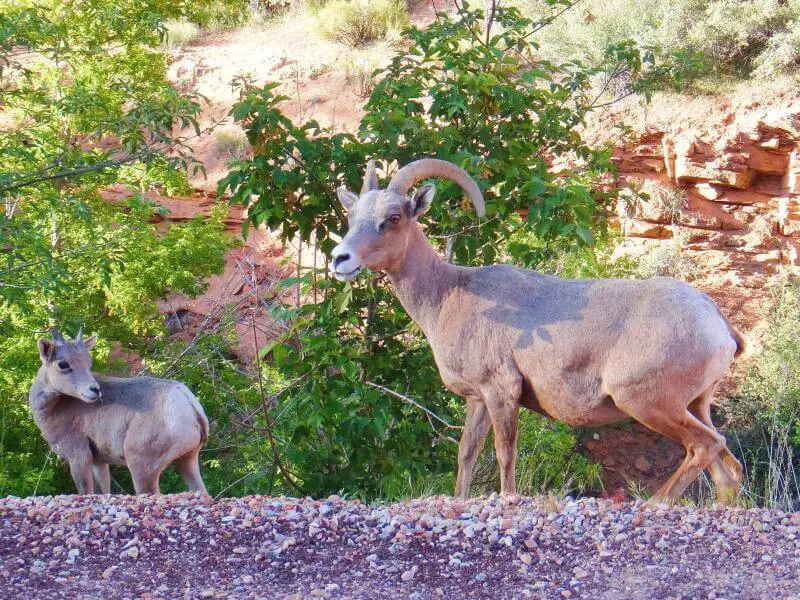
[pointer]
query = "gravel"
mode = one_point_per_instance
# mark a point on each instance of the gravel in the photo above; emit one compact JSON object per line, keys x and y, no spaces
{"x":189,"y":546}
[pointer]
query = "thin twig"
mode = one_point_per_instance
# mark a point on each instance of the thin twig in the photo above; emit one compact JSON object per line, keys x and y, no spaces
{"x":413,"y":402}
{"x":264,"y":404}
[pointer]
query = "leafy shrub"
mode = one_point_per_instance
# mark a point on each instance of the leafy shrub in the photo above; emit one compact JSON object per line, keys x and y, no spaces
{"x":360,"y":76}
{"x":180,"y":33}
{"x":236,"y":459}
{"x":218,"y":14}
{"x":354,"y":23}
{"x":728,"y":36}
{"x":782,"y":52}
{"x":734,"y":34}
{"x":765,"y":418}
{"x":230,"y":143}
{"x":667,"y":259}
{"x":589,"y":262}
{"x":501,"y":115}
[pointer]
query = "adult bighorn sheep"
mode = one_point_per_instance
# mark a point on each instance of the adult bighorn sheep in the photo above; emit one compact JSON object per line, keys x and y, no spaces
{"x":93,"y":421}
{"x":585,"y":352}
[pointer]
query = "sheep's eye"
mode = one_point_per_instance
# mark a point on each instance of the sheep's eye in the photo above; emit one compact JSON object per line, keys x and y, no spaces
{"x":395,"y":219}
{"x":63,"y":365}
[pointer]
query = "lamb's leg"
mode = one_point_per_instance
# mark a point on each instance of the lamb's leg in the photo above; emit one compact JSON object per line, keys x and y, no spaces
{"x":188,"y":466}
{"x":476,"y":426}
{"x":504,"y":413}
{"x":102,"y":478}
{"x":81,"y":469}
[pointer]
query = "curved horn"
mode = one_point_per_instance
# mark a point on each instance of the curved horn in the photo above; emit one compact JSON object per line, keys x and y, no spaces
{"x":57,"y":337}
{"x":370,"y":178}
{"x":433,"y":167}
{"x":79,"y":339}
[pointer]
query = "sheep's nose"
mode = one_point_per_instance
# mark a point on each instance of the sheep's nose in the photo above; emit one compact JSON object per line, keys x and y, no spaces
{"x":95,"y":390}
{"x":340,"y":258}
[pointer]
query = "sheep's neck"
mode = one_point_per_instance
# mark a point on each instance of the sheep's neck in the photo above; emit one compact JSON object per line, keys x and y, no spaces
{"x":422,"y":280}
{"x":42,"y":394}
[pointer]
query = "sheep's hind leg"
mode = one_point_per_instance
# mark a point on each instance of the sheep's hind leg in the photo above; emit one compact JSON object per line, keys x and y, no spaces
{"x":476,"y":426}
{"x":725,"y":469}
{"x":188,"y":466}
{"x":701,"y":442}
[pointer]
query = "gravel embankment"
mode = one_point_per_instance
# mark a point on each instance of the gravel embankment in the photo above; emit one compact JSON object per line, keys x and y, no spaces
{"x":187,"y":546}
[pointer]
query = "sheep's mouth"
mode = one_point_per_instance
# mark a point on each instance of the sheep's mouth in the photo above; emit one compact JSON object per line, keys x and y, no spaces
{"x":349,"y":276}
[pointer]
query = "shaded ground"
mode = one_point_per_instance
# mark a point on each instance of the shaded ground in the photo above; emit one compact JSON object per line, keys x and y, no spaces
{"x":186,"y":546}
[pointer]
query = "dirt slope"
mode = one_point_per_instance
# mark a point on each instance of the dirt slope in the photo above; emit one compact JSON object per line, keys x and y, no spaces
{"x":186,"y":546}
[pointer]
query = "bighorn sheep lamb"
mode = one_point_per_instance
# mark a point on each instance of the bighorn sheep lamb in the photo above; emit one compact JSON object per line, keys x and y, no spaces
{"x":585,"y":352}
{"x":93,"y":421}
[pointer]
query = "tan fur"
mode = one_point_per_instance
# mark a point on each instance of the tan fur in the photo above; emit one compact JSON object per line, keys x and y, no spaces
{"x":585,"y":352}
{"x":92,"y":421}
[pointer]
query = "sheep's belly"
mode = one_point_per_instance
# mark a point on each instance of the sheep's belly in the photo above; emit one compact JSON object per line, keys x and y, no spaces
{"x":105,"y":453}
{"x":579,"y":410}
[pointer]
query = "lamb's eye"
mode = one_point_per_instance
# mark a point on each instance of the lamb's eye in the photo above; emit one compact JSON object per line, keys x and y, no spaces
{"x":395,"y":219}
{"x":63,"y":365}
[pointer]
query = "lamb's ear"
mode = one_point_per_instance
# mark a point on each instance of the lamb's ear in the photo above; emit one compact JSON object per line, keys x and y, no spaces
{"x":89,"y":343}
{"x":346,"y":197}
{"x":421,"y":201}
{"x":46,"y":348}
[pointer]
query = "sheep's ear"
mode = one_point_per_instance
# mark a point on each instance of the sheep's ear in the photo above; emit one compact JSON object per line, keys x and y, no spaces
{"x":346,"y":197}
{"x":421,"y":201}
{"x":46,"y":348}
{"x":89,"y":343}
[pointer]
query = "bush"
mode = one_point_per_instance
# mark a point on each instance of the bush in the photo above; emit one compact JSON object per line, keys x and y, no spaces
{"x":360,"y":76}
{"x":230,"y":143}
{"x":782,"y":52}
{"x":729,"y":36}
{"x":667,"y":259}
{"x":354,"y":23}
{"x":219,"y":14}
{"x":180,"y":33}
{"x":765,"y":418}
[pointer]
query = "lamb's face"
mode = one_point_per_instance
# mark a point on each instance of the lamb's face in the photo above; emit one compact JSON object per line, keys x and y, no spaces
{"x":379,"y":222}
{"x":69,"y":367}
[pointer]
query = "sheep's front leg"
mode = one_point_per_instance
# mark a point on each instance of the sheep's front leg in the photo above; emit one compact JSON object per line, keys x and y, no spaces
{"x":476,"y":426}
{"x":504,"y":413}
{"x":81,"y":469}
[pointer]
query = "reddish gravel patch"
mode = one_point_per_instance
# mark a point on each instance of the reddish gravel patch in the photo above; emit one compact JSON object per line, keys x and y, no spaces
{"x":188,"y":546}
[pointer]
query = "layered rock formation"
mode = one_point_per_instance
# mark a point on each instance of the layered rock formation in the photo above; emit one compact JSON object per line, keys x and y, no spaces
{"x":726,"y":197}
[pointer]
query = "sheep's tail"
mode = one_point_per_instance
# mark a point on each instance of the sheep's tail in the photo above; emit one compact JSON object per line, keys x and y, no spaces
{"x":741,"y":342}
{"x":738,"y":338}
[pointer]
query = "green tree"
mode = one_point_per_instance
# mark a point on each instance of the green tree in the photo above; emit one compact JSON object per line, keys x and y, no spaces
{"x":489,"y":105}
{"x":86,"y":104}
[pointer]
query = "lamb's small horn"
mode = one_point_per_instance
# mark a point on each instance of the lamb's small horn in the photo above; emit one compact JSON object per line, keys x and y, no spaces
{"x":370,"y":179}
{"x":433,"y":167}
{"x":79,"y":339}
{"x":57,"y":337}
